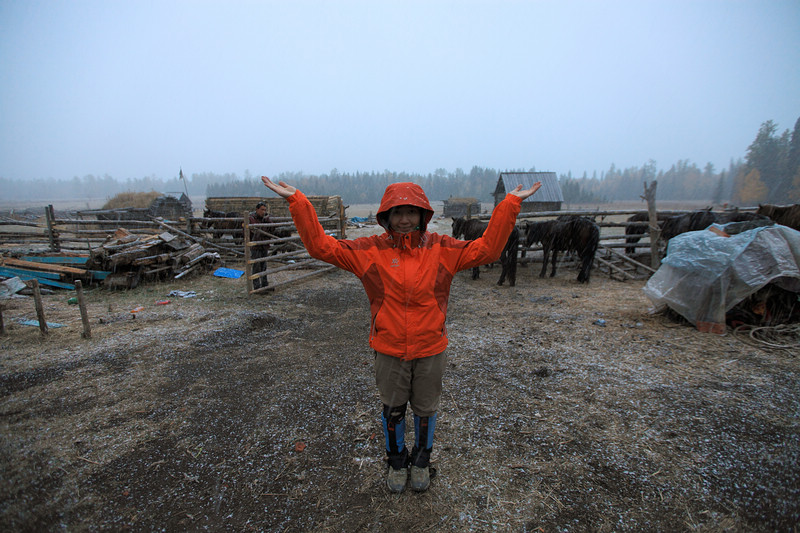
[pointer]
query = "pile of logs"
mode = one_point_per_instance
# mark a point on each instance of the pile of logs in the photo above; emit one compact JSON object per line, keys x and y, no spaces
{"x":130,"y":257}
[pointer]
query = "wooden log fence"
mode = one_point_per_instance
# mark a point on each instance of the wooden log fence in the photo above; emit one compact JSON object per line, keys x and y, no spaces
{"x":607,"y":256}
{"x":289,"y":261}
{"x":82,"y":235}
{"x":83,"y":232}
{"x":607,"y":240}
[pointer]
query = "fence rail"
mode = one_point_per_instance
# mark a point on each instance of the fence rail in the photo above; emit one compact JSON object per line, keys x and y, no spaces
{"x":230,"y":236}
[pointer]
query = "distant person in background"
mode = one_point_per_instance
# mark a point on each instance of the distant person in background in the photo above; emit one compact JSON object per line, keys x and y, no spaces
{"x":406,"y":272}
{"x":259,"y":216}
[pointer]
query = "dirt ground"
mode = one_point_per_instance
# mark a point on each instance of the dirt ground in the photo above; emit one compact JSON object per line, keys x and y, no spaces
{"x":566,"y":407}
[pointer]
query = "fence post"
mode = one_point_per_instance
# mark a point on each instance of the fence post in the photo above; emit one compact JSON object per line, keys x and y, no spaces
{"x":87,"y":330}
{"x":50,"y":216}
{"x":342,"y":220}
{"x":37,"y":302}
{"x":248,"y":266}
{"x":655,"y":230}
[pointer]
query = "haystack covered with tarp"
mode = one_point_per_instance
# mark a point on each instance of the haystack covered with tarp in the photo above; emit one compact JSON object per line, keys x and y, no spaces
{"x":707,"y":273}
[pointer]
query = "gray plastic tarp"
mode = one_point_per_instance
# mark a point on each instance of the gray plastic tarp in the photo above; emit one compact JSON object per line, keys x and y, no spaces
{"x":705,"y":274}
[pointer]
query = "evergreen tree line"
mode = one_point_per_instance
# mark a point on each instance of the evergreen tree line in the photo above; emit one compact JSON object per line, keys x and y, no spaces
{"x":772,"y":170}
{"x":770,"y":173}
{"x":368,"y":187}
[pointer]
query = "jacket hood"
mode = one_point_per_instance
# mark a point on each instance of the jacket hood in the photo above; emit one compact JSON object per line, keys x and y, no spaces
{"x":405,"y":193}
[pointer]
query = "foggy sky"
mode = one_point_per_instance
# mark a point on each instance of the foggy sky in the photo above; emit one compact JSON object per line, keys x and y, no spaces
{"x":137,"y":88}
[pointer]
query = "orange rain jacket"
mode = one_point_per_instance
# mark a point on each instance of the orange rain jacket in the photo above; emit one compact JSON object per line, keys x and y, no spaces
{"x":406,"y":276}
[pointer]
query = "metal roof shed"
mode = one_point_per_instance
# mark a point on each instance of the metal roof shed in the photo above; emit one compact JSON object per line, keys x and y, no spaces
{"x":548,"y":198}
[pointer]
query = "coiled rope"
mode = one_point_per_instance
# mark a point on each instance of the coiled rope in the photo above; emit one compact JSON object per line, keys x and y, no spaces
{"x":779,"y":337}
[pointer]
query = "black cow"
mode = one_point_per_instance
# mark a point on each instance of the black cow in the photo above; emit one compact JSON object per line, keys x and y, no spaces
{"x":471,"y":229}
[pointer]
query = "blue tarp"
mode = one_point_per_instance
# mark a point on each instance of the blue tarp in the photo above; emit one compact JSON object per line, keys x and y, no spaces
{"x":35,"y":323}
{"x":223,"y":272}
{"x":705,"y":274}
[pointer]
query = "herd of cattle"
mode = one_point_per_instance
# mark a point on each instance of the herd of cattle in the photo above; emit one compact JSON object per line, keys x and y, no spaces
{"x":581,"y":235}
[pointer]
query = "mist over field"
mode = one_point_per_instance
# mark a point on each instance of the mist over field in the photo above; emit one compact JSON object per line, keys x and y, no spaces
{"x":343,"y":97}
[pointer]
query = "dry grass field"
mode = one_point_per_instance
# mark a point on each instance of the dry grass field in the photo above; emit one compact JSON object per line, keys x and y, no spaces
{"x":236,"y":413}
{"x":567,"y":407}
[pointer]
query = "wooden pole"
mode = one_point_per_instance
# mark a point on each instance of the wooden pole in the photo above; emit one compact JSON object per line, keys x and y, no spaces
{"x":37,"y":301}
{"x":87,"y":330}
{"x":655,"y":230}
{"x":248,"y":266}
{"x":342,"y":221}
{"x":50,"y":217}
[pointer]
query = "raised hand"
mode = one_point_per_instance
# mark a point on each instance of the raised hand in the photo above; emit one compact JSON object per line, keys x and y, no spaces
{"x":281,"y":188}
{"x":527,"y":192}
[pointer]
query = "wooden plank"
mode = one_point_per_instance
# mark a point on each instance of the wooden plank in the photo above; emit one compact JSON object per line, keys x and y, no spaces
{"x":272,"y":286}
{"x":8,"y":261}
{"x":631,"y":261}
{"x":58,"y":259}
{"x":8,"y":222}
{"x":27,"y":277}
{"x":38,"y":274}
{"x":293,"y":266}
{"x":99,"y":274}
{"x":612,"y":266}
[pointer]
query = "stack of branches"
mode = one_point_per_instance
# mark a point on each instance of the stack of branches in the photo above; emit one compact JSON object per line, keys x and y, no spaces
{"x":131,"y":258}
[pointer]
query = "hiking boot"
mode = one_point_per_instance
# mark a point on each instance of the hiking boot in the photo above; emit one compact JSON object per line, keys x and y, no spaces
{"x":396,"y":481}
{"x":421,"y":477}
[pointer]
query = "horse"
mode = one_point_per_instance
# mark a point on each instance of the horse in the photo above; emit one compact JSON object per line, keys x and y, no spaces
{"x":537,"y":232}
{"x":473,"y":228}
{"x":786,"y":215}
{"x":700,"y":220}
{"x":470,"y":229}
{"x":567,"y":233}
{"x":634,"y":232}
{"x":224,"y":227}
{"x":694,"y":221}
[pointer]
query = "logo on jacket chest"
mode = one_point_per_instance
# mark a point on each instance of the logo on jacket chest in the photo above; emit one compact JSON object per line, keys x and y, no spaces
{"x":395,"y":262}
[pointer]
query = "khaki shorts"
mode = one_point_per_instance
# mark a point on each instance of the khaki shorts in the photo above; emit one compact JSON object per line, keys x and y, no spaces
{"x":418,"y":381}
